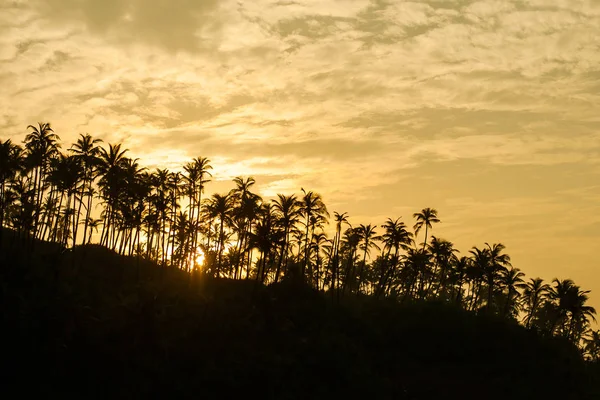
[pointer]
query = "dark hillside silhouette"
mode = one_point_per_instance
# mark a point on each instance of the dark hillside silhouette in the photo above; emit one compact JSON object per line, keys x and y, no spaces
{"x":92,"y":323}
{"x":119,"y":281}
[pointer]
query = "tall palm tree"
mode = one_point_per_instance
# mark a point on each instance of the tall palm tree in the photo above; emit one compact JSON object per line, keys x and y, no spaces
{"x":367,"y":235}
{"x":86,"y":150}
{"x":319,"y":241}
{"x":395,"y":237}
{"x":11,"y":160}
{"x":591,"y":345}
{"x":479,"y":272}
{"x":512,"y":281}
{"x":443,"y":253}
{"x":350,"y":244}
{"x":41,"y":144}
{"x":492,"y":262}
{"x":197,"y":175}
{"x":313,"y":209}
{"x":265,"y":237}
{"x":111,"y":171}
{"x":534,"y":293}
{"x":288,"y":212}
{"x":220,"y":207}
{"x":340,"y":220}
{"x":93,"y":224}
{"x":246,"y":207}
{"x":426,"y":218}
{"x":417,"y":269}
{"x":573,"y":314}
{"x":459,"y":273}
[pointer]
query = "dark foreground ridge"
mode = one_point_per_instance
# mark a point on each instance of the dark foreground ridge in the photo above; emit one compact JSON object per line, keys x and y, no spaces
{"x":91,"y":323}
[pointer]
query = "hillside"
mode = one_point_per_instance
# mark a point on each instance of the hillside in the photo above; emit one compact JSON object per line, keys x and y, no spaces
{"x":92,"y":323}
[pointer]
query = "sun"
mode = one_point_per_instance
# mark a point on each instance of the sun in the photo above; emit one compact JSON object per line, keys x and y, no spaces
{"x":199,"y":257}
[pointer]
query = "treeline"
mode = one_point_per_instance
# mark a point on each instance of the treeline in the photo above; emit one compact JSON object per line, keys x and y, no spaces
{"x":71,"y":196}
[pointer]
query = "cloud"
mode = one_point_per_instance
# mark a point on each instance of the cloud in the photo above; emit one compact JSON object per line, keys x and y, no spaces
{"x":173,"y":24}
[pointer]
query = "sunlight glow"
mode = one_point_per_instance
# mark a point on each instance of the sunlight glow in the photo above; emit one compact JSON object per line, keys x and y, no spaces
{"x":199,"y":258}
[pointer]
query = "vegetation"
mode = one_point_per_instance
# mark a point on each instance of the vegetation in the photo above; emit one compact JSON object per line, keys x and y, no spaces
{"x":139,"y":269}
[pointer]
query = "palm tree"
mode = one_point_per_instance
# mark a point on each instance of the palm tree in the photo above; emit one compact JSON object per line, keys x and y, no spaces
{"x":427,"y":217}
{"x":395,"y":237}
{"x":478,"y":273}
{"x":311,"y":206}
{"x":459,"y":273}
{"x":367,"y":235}
{"x":265,"y":238}
{"x":40,"y":144}
{"x":443,"y":253}
{"x":319,"y":241}
{"x":351,"y":241}
{"x":288,"y":212}
{"x":534,"y":293}
{"x":197,"y":175}
{"x":220,"y":207}
{"x":11,"y":160}
{"x":110,"y":169}
{"x":86,"y":150}
{"x":591,"y":345}
{"x":573,"y":314}
{"x":512,"y":281}
{"x":246,"y":207}
{"x":417,"y":268}
{"x":492,"y":263}
{"x":93,"y":224}
{"x":340,"y":219}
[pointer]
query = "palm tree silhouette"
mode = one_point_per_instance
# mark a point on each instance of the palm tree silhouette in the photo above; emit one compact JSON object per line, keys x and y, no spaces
{"x":340,"y":219}
{"x":197,"y":175}
{"x":591,"y":345}
{"x":534,"y":294}
{"x":110,"y":169}
{"x":367,"y":236}
{"x":351,"y":241}
{"x":572,"y":312}
{"x":427,"y":217}
{"x":220,"y":207}
{"x":245,"y":211}
{"x":41,"y":144}
{"x":395,"y":237}
{"x":458,"y":276}
{"x":11,"y":160}
{"x":512,"y":281}
{"x":288,"y":212}
{"x":314,"y":210}
{"x":443,"y":254}
{"x":86,"y":150}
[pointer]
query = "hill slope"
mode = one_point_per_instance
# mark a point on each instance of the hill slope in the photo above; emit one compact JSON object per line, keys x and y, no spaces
{"x":95,"y":324}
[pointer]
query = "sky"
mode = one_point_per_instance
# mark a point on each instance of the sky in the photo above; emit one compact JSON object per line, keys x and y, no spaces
{"x":488,"y":111}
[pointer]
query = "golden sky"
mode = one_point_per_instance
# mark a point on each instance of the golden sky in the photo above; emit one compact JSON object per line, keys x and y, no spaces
{"x":488,"y":111}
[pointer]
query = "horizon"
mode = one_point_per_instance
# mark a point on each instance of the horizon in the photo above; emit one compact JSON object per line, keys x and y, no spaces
{"x":486,"y":111}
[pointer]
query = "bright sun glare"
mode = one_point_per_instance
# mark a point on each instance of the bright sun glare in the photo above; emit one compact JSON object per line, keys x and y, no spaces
{"x":199,"y":257}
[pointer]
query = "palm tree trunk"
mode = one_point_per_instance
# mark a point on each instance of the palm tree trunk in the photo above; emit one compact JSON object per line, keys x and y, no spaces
{"x":283,"y":251}
{"x":76,"y":223}
{"x":220,"y":247}
{"x":88,"y":212}
{"x":49,"y":216}
{"x":54,"y":231}
{"x":362,"y":270}
{"x":490,"y":294}
{"x":306,"y":249}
